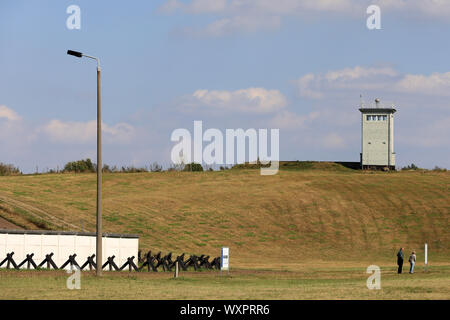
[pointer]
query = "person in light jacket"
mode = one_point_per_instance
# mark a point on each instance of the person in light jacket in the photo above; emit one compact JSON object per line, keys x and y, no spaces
{"x":412,"y":261}
{"x":400,"y":260}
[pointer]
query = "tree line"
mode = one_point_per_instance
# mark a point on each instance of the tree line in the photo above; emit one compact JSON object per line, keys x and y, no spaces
{"x":86,"y":166}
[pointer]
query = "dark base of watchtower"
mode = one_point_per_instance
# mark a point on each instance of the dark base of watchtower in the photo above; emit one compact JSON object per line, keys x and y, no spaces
{"x":378,"y":168}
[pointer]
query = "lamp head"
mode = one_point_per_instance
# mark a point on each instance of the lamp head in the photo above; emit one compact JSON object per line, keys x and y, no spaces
{"x":74,"y":53}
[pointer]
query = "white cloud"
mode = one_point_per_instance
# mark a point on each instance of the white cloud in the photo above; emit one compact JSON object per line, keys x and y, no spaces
{"x":308,"y":86}
{"x":86,"y":132}
{"x":17,"y":132}
{"x":254,"y":15}
{"x":357,"y":72}
{"x":8,"y":114}
{"x":257,"y":100}
{"x":247,"y":16}
{"x":236,"y":24}
{"x":436,"y":83}
{"x":288,"y":120}
{"x":260,"y":7}
{"x":314,"y":86}
{"x":427,"y":8}
{"x":15,"y":135}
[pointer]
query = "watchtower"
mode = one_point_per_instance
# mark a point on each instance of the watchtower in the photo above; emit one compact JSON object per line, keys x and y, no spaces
{"x":377,"y":137}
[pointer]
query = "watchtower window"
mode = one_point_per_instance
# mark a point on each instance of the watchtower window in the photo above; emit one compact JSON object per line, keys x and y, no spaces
{"x":376,"y":118}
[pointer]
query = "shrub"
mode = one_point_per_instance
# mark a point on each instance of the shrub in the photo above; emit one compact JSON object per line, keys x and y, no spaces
{"x":132,"y":169}
{"x":80,"y":166}
{"x":412,"y":166}
{"x":155,"y":167}
{"x":123,"y":169}
{"x":193,"y":167}
{"x":107,"y":168}
{"x":8,"y":170}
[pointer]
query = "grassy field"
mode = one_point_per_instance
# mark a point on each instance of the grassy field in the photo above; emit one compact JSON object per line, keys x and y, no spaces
{"x":290,"y":221}
{"x":311,"y":282}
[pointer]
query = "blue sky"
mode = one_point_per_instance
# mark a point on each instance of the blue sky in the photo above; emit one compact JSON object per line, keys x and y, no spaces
{"x":296,"y":65}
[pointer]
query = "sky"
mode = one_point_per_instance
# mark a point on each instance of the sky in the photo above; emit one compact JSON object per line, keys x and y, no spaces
{"x":299,"y":66}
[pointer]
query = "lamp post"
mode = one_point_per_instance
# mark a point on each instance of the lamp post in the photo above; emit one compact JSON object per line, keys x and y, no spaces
{"x":99,"y":162}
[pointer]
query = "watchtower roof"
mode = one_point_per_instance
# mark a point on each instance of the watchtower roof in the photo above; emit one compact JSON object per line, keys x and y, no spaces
{"x":377,"y":110}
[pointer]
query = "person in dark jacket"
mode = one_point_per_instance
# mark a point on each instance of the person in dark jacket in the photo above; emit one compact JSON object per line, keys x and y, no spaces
{"x":400,"y":260}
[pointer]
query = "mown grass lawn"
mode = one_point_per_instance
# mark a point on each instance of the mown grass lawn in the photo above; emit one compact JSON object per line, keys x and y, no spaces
{"x":307,"y":282}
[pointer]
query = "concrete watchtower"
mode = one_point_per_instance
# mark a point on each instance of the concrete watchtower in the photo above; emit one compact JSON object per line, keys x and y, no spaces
{"x":377,"y":137}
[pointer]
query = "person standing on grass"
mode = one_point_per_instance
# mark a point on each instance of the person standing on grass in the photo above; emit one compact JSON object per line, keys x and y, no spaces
{"x":412,"y":261}
{"x":400,"y":260}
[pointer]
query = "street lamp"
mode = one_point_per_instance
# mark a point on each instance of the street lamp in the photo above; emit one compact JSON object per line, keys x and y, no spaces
{"x":99,"y":162}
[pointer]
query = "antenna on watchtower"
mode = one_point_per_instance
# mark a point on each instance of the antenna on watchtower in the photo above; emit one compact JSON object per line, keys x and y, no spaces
{"x":377,"y":102}
{"x":361,"y":102}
